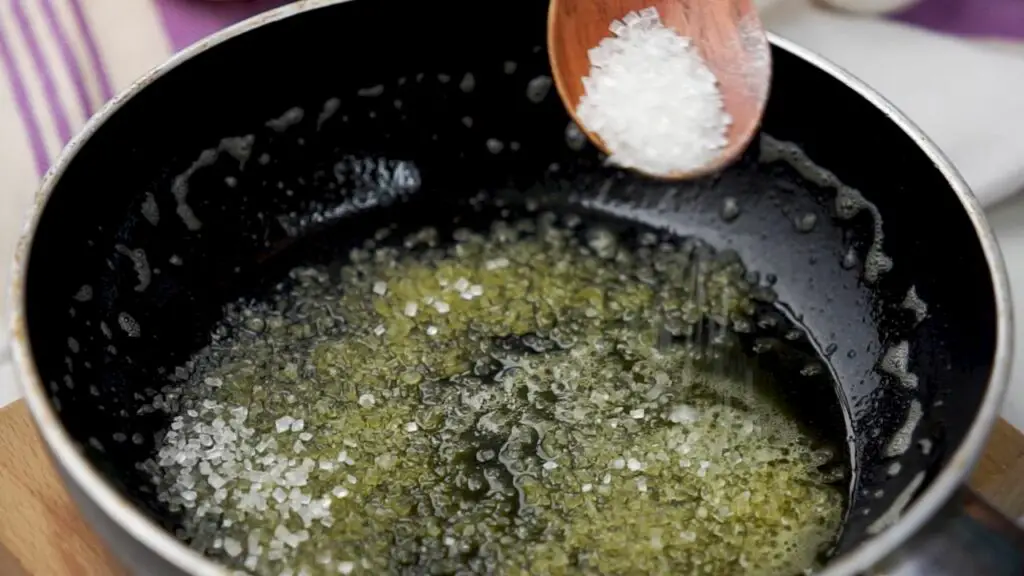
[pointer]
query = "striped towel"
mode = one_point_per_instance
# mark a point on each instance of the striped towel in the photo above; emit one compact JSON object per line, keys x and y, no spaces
{"x":60,"y":60}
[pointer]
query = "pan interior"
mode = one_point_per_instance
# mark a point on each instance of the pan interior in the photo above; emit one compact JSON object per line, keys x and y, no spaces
{"x":478,"y":374}
{"x":122,"y":291}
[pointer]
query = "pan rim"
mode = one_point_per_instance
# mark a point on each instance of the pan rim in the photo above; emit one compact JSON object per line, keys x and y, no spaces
{"x":137,"y":525}
{"x":953,"y":476}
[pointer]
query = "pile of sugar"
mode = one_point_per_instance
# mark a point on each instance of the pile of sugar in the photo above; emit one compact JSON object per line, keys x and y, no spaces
{"x":651,"y":98}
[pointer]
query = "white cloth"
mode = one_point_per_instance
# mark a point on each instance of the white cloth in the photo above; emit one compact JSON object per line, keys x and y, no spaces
{"x":968,"y":98}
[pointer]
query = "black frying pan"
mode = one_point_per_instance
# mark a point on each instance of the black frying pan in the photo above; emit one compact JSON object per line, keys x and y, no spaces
{"x":917,"y":212}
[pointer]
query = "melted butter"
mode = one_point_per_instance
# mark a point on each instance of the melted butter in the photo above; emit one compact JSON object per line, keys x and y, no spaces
{"x":527,"y":401}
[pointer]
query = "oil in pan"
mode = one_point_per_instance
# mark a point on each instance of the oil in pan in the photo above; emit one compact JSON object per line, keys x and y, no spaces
{"x":534,"y":392}
{"x":543,"y":393}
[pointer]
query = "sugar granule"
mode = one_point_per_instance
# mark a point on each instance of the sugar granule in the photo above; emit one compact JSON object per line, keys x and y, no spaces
{"x":652,"y":99}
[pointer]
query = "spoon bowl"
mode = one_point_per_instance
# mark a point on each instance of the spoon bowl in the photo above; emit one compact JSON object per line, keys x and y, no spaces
{"x":727,"y":34}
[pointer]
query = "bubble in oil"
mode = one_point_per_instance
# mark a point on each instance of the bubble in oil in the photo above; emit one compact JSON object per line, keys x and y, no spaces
{"x":925,"y":445}
{"x":730,"y":209}
{"x":806,"y":222}
{"x":915,"y":304}
{"x":129,"y":325}
{"x":849,"y":202}
{"x":902,"y":438}
{"x":575,"y":139}
{"x":811,"y":369}
{"x":850,"y":259}
{"x":538,"y":88}
{"x":603,"y":242}
{"x":896,"y":362}
{"x":290,"y":118}
{"x":331,"y":107}
{"x":180,"y":189}
{"x":894,"y":469}
{"x":150,"y":209}
{"x":371,"y":91}
{"x":139,"y":263}
{"x":495,"y":146}
{"x":84,"y":293}
{"x":239,"y":148}
{"x":742,"y":326}
{"x":876,"y":263}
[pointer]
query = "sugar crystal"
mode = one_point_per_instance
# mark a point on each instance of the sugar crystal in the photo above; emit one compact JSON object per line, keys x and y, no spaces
{"x":652,"y":99}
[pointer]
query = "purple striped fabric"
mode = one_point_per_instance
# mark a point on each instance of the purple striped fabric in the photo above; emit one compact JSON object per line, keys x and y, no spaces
{"x":60,"y":119}
{"x":90,"y":46}
{"x":35,"y":137}
{"x":187,"y":21}
{"x":42,"y":70}
{"x":989,"y":18}
{"x":68,"y":56}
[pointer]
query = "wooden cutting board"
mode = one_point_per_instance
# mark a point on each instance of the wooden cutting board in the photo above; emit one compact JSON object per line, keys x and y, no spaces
{"x":42,"y":533}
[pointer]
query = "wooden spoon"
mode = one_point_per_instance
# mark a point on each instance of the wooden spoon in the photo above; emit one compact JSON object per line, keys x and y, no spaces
{"x":727,"y":34}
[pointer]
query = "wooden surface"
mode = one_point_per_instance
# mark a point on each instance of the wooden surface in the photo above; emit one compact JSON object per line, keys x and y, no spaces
{"x":41,"y":532}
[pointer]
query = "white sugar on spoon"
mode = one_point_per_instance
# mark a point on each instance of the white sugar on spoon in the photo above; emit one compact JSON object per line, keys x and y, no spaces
{"x":673,"y":88}
{"x":652,"y":99}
